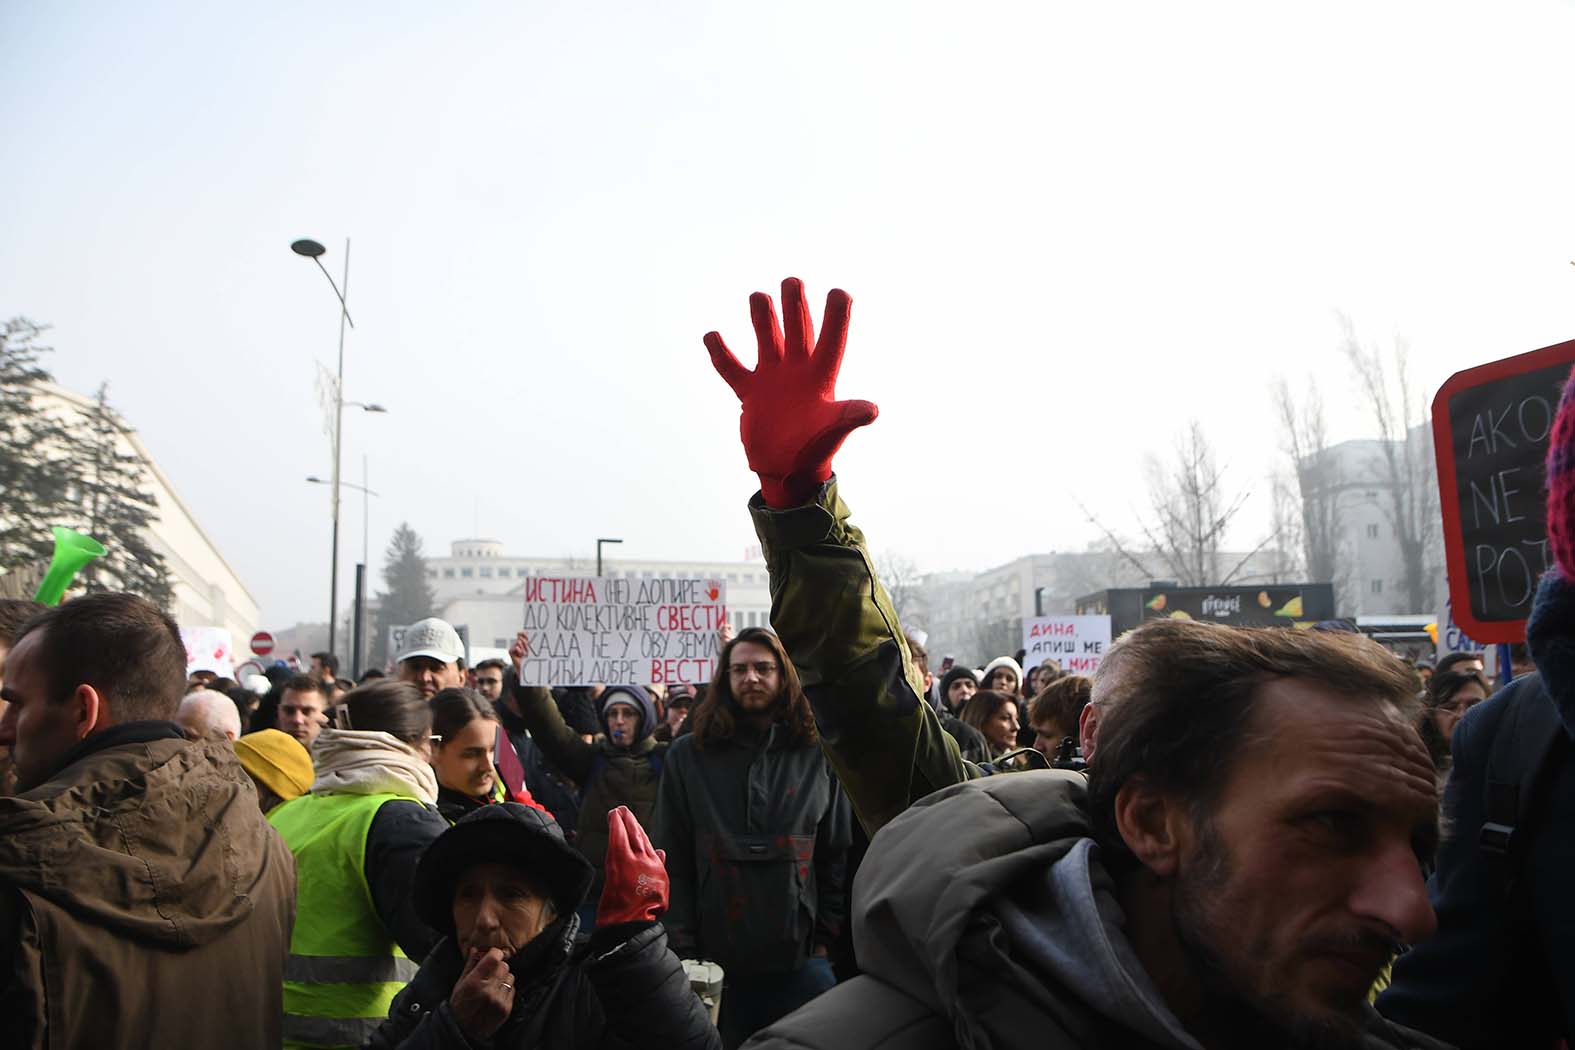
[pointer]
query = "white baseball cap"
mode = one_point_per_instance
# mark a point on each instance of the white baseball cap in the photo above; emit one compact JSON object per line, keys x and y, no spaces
{"x":435,"y":638}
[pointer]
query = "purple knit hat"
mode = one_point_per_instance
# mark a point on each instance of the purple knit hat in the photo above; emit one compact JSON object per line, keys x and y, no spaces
{"x":1561,"y":483}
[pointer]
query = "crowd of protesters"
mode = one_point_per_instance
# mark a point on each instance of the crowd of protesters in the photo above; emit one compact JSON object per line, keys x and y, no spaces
{"x":1227,"y":837}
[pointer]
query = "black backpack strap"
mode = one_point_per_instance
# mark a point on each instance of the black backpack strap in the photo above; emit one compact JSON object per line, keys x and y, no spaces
{"x":1528,"y":749}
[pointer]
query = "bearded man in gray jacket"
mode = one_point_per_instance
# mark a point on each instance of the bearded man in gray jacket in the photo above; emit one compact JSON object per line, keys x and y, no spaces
{"x":1242,"y":862}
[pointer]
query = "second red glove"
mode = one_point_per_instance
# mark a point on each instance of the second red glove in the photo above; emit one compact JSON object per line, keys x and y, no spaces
{"x":636,"y":886}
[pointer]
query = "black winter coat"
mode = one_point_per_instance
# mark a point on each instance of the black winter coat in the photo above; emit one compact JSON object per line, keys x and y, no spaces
{"x":622,"y":989}
{"x":546,"y":784}
{"x":1500,"y":971}
{"x":756,"y":830}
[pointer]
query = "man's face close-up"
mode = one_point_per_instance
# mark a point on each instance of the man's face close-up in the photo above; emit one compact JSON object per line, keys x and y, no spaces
{"x":39,"y":729}
{"x":1048,"y":735}
{"x":754,"y":676}
{"x":301,"y":715}
{"x":489,"y":682}
{"x":430,"y":675}
{"x":1306,"y":877}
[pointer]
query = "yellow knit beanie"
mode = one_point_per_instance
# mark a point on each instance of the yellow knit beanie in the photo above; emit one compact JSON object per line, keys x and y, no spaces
{"x":278,"y":760}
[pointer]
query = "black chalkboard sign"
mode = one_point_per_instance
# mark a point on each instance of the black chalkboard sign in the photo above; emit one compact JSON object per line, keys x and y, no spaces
{"x":1490,"y":436}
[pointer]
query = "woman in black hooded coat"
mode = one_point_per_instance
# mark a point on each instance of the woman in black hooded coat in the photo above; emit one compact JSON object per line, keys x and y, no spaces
{"x":624,"y":988}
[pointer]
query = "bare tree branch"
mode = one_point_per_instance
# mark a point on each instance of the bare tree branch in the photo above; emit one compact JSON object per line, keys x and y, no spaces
{"x":1191,"y":511}
{"x":1117,"y":545}
{"x":901,"y":577}
{"x":1402,"y":465}
{"x":1316,"y":498}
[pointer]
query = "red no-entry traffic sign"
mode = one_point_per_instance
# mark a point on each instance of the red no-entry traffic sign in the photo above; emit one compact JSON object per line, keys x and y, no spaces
{"x":262,"y":643}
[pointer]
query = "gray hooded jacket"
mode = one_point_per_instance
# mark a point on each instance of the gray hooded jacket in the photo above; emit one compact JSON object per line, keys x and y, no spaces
{"x":1009,"y":937}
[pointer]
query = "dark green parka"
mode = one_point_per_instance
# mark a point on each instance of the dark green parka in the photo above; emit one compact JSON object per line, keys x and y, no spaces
{"x":883,"y":740}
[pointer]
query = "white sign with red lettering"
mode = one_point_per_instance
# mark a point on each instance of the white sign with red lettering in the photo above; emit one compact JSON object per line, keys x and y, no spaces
{"x":584,"y":630}
{"x":1077,"y":643}
{"x":208,"y":649}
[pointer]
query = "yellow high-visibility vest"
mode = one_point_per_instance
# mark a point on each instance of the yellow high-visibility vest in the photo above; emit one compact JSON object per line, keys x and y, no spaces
{"x":344,"y":969}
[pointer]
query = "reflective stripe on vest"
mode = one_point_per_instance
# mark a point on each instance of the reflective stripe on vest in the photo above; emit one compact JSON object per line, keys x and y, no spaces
{"x":327,"y":1031}
{"x":344,"y":969}
{"x":348,"y":969}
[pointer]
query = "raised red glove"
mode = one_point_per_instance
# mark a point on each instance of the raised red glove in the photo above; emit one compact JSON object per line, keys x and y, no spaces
{"x":636,"y":886}
{"x":792,"y":422}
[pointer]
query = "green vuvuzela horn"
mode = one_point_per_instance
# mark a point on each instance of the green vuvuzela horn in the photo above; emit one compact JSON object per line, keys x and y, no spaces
{"x":72,"y":551}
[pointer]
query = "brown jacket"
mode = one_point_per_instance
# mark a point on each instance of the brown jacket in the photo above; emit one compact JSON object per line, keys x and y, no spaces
{"x":144,"y":900}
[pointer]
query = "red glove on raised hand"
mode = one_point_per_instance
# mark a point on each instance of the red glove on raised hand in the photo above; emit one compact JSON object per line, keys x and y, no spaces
{"x":636,"y":886}
{"x":792,"y":422}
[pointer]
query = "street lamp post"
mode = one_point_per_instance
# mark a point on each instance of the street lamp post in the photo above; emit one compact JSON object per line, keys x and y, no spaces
{"x":599,"y":553}
{"x":358,"y":624}
{"x":312,"y":250}
{"x":366,"y":508}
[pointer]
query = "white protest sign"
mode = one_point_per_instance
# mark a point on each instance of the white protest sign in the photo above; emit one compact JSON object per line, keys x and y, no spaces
{"x":1077,"y":643}
{"x":208,"y":649}
{"x":586,"y":629}
{"x":1451,"y":637}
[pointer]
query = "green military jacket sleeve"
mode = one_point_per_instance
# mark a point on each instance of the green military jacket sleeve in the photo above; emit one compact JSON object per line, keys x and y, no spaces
{"x":837,"y":623}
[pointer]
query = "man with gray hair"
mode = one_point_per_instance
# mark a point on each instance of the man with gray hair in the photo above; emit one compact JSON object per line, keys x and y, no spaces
{"x":204,"y":711}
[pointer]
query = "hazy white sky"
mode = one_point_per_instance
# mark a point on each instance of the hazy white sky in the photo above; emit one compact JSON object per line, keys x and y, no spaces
{"x":1067,"y":229}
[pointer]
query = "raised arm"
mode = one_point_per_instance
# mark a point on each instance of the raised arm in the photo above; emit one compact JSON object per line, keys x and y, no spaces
{"x":835,"y":620}
{"x":563,"y":746}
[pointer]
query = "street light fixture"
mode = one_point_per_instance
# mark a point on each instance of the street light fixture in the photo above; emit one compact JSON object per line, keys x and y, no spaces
{"x":310,"y":249}
{"x":358,"y":630}
{"x":366,"y":512}
{"x":599,"y":553}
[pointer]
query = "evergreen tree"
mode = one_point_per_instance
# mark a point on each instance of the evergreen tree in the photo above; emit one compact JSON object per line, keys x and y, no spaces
{"x":34,"y":488}
{"x":115,"y":507}
{"x":408,"y":598}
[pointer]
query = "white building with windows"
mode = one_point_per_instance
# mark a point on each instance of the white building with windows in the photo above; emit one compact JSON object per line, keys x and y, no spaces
{"x":481,"y":587}
{"x":1371,"y":566}
{"x":976,"y":616}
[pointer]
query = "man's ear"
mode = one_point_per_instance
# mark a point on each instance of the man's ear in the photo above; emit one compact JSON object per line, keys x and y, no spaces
{"x":1088,"y":731}
{"x":1151,"y":824}
{"x":87,"y":710}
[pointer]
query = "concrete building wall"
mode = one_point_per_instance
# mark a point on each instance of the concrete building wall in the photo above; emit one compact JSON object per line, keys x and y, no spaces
{"x":207,"y":591}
